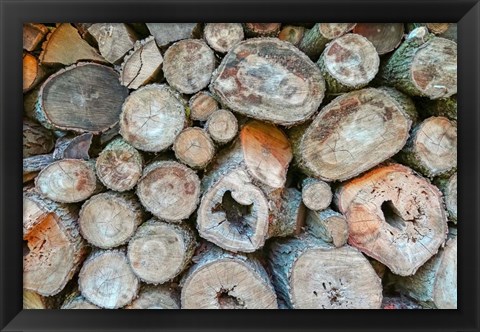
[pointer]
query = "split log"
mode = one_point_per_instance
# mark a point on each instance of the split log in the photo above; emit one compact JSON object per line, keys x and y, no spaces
{"x":156,"y":297}
{"x":76,"y":147}
{"x":353,"y":133}
{"x":349,"y":63}
{"x":169,"y":190}
{"x":141,"y":65}
{"x":83,"y":98}
{"x":432,"y":147}
{"x":262,"y":29}
{"x":194,"y":147}
{"x":269,"y":79}
{"x":83,"y":29}
{"x":310,"y":274}
{"x":446,"y":107}
{"x":32,"y":300}
{"x":328,"y":225}
{"x":67,"y":180}
{"x":434,"y":285}
{"x":188,"y":65}
{"x":292,"y":34}
{"x":448,"y":187}
{"x":399,"y":302}
{"x":119,"y":166}
{"x":33,"y":34}
{"x":114,"y":40}
{"x":394,"y":216}
{"x":152,"y":117}
{"x":424,"y":65}
{"x":384,"y":36}
{"x":33,"y":72}
{"x":222,"y":36}
{"x":202,"y":105}
{"x":75,"y":300}
{"x":159,"y":251}
{"x":107,"y":280}
{"x":222,"y":126}
{"x":316,"y":194}
{"x":36,"y":139}
{"x":65,"y":46}
{"x":54,"y":248}
{"x":110,"y":219}
{"x":34,"y":164}
{"x":166,"y":33}
{"x":222,"y":280}
{"x":314,"y":40}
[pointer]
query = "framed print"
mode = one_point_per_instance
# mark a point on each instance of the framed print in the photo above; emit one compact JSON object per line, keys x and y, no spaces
{"x":286,"y":166}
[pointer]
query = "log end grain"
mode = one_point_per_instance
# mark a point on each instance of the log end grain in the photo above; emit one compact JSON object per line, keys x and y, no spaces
{"x":222,"y":126}
{"x":114,"y":40}
{"x":194,"y":147}
{"x":292,"y":34}
{"x":384,"y":36}
{"x":316,"y":194}
{"x":156,"y":297}
{"x":335,"y":30}
{"x":202,"y":105}
{"x":262,"y":29}
{"x":222,"y":36}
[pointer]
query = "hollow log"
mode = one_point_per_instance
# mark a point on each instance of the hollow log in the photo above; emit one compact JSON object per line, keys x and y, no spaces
{"x":222,"y":126}
{"x":269,"y":79}
{"x":328,"y":225}
{"x":33,"y":72}
{"x":316,"y":194}
{"x":394,"y":216}
{"x":33,"y":34}
{"x":222,"y":36}
{"x":166,"y":33}
{"x":293,"y":34}
{"x":448,"y":186}
{"x":309,"y":274}
{"x":202,"y":105}
{"x":194,"y":147}
{"x":156,"y":297}
{"x":114,"y":40}
{"x":36,"y":139}
{"x":262,"y":29}
{"x":159,"y":251}
{"x":384,"y":36}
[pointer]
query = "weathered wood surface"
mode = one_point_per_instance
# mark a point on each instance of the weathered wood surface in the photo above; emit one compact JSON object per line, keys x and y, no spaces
{"x":156,"y":297}
{"x":314,"y":40}
{"x":33,"y":34}
{"x":166,"y":33}
{"x":222,"y":126}
{"x":293,"y":34}
{"x":194,"y":147}
{"x":316,"y":194}
{"x":73,"y":147}
{"x":328,"y":225}
{"x":222,"y":36}
{"x":202,"y":105}
{"x":448,"y":186}
{"x":114,"y":40}
{"x":33,"y":72}
{"x":75,"y":300}
{"x":384,"y":36}
{"x":262,"y":29}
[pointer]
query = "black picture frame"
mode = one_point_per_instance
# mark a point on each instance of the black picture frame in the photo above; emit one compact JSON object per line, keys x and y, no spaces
{"x":14,"y":13}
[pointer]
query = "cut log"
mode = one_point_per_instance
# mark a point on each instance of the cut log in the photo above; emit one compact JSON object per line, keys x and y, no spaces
{"x":424,"y":65}
{"x":269,"y":79}
{"x":110,"y":219}
{"x":394,"y":216}
{"x":75,"y":300}
{"x":222,"y":36}
{"x":76,"y":147}
{"x":33,"y":34}
{"x":114,"y":40}
{"x":33,"y":72}
{"x":399,"y":302}
{"x":328,"y":225}
{"x":83,"y":29}
{"x":54,"y":248}
{"x":67,"y":180}
{"x":349,"y":63}
{"x":107,"y":280}
{"x":384,"y":36}
{"x":437,"y":28}
{"x":194,"y":147}
{"x":450,"y":33}
{"x":166,"y":33}
{"x":188,"y":65}
{"x":156,"y":297}
{"x":292,"y":34}
{"x":152,"y":117}
{"x":310,"y":274}
{"x":222,"y":280}
{"x":434,"y":285}
{"x":160,"y":251}
{"x":119,"y":166}
{"x":222,"y":126}
{"x":316,"y":194}
{"x":169,"y":190}
{"x":448,"y":187}
{"x":353,"y":133}
{"x":432,"y":147}
{"x":141,"y":65}
{"x":446,"y":107}
{"x":262,"y":29}
{"x":314,"y":40}
{"x":65,"y":46}
{"x":202,"y":105}
{"x":83,"y":98}
{"x":34,"y":164}
{"x":32,"y":300}
{"x":36,"y":139}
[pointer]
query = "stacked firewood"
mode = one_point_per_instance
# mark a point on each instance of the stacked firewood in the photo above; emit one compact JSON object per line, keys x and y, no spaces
{"x":240,"y":166}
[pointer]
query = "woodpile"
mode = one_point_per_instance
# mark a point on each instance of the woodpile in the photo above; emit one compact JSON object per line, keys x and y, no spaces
{"x":240,"y":166}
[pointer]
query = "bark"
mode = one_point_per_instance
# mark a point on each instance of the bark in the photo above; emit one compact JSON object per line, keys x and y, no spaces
{"x":156,"y":297}
{"x":75,"y":147}
{"x":394,"y":216}
{"x":424,"y":65}
{"x":33,"y":34}
{"x":34,"y":164}
{"x":328,"y":225}
{"x":188,"y":65}
{"x":82,"y":98}
{"x":53,"y":247}
{"x":384,"y":36}
{"x":75,"y":300}
{"x":450,"y":33}
{"x":222,"y":36}
{"x":316,"y":194}
{"x":222,"y":126}
{"x":446,"y":107}
{"x":269,"y":79}
{"x":169,"y":190}
{"x":353,"y":133}
{"x":310,"y":274}
{"x":159,"y":251}
{"x":399,"y":302}
{"x":166,"y":33}
{"x":262,"y":29}
{"x":152,"y":117}
{"x":36,"y":139}
{"x":222,"y":280}
{"x":114,"y":40}
{"x":194,"y":147}
{"x":448,"y":186}
{"x":33,"y":72}
{"x":107,"y":280}
{"x":202,"y":105}
{"x":292,"y":34}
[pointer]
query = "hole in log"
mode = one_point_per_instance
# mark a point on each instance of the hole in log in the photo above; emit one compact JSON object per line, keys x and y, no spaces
{"x":227,"y":301}
{"x":236,"y":214}
{"x":334,"y":295}
{"x":392,"y":216}
{"x":26,"y":249}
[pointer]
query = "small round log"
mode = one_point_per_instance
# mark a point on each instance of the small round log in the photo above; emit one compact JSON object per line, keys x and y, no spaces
{"x":292,"y":34}
{"x":316,"y":194}
{"x":222,"y":36}
{"x":437,"y":28}
{"x":114,"y":40}
{"x":202,"y":105}
{"x":222,"y":126}
{"x":194,"y":147}
{"x":448,"y":187}
{"x":314,"y":40}
{"x":328,"y":225}
{"x":384,"y":36}
{"x":36,"y":139}
{"x":156,"y":297}
{"x":262,"y":29}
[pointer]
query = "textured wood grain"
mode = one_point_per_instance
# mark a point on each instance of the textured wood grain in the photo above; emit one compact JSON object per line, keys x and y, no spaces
{"x":202,"y":105}
{"x":156,"y":297}
{"x":33,"y":34}
{"x":222,"y":126}
{"x":384,"y":36}
{"x":316,"y":194}
{"x":262,"y":29}
{"x":166,"y":33}
{"x":36,"y":139}
{"x":114,"y":40}
{"x":194,"y":147}
{"x":222,"y":36}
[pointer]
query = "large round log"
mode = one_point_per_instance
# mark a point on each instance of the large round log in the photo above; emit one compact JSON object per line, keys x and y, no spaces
{"x":269,"y":79}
